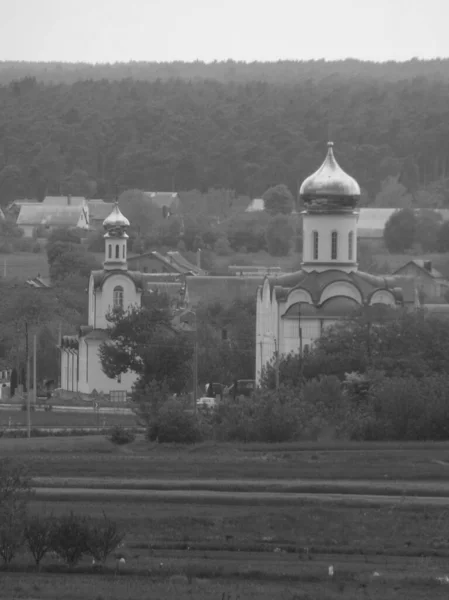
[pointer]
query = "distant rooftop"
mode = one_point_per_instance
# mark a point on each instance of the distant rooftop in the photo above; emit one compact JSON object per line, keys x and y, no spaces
{"x":51,"y":215}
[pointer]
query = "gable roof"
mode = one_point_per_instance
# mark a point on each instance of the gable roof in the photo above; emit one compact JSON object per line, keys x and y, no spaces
{"x":161,"y":199}
{"x":421,"y":264}
{"x":173,"y":259}
{"x":54,"y":215}
{"x":223,"y":289}
{"x":99,"y":209}
{"x":63,"y":200}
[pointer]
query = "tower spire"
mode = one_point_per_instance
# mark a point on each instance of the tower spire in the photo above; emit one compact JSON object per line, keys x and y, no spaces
{"x":115,"y":248}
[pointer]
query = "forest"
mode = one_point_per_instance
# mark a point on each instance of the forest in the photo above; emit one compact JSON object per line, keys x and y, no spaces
{"x":97,"y":130}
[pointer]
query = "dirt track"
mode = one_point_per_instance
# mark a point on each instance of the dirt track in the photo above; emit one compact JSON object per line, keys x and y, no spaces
{"x":235,"y":498}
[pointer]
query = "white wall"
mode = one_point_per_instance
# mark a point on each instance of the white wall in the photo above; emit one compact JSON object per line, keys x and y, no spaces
{"x":325,"y":224}
{"x":91,"y":373}
{"x":27,"y":230}
{"x":103,"y":299}
{"x":69,"y":370}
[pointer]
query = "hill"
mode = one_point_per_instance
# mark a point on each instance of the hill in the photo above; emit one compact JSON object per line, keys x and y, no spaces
{"x":88,"y":130}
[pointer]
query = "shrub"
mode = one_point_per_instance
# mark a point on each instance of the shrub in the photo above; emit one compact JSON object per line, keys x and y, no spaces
{"x":399,"y":408}
{"x":173,"y":424}
{"x":103,"y":538}
{"x":69,"y":538}
{"x":38,"y":536}
{"x":120,"y":436}
{"x":11,"y":532}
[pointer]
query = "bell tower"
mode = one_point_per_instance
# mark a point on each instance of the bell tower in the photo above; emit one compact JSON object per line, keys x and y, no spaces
{"x":116,"y":240}
{"x":330,"y":215}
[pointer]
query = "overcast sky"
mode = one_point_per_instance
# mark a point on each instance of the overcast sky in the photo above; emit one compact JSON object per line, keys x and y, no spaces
{"x":166,"y":30}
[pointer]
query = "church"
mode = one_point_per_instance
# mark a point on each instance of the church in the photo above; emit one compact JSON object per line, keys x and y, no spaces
{"x":293,"y":310}
{"x":112,"y":287}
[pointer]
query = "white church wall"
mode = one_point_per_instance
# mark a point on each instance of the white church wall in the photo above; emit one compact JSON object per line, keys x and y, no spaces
{"x":104,"y":297}
{"x":383,"y":297}
{"x":343,"y":224}
{"x":93,"y":378}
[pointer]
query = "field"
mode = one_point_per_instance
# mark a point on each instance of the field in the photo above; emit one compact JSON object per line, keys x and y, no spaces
{"x":18,"y":418}
{"x":236,"y":522}
{"x":24,"y":265}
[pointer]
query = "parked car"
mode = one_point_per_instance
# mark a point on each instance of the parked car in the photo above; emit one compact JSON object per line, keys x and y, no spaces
{"x":242,"y":387}
{"x":206,"y":402}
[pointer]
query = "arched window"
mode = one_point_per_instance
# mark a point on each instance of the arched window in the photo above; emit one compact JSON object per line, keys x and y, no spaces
{"x":334,"y":245}
{"x":117,"y":251}
{"x":350,"y":245}
{"x":117,"y":297}
{"x":123,"y":251}
{"x":315,"y":244}
{"x":109,"y":250}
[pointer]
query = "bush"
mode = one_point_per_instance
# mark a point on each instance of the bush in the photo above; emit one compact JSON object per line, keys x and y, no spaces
{"x":69,"y":538}
{"x":103,"y":538}
{"x":120,"y":436}
{"x":11,"y":532}
{"x":173,"y":424}
{"x":38,"y":536}
{"x":399,"y":408}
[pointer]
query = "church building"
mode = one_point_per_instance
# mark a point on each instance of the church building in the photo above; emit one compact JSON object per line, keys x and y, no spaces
{"x":293,"y":309}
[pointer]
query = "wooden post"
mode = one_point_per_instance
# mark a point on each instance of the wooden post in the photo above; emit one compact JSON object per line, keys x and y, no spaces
{"x":34,"y":370}
{"x":195,"y":364}
{"x":27,"y":355}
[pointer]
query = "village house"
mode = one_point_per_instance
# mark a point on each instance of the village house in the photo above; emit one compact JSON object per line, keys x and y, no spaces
{"x":431,"y":284}
{"x":39,"y":217}
{"x":171,"y":262}
{"x":98,"y":211}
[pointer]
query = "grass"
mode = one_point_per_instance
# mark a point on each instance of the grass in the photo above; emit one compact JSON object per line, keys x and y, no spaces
{"x":139,"y":460}
{"x":24,"y":265}
{"x":59,"y":419}
{"x":223,"y":549}
{"x":54,"y":587}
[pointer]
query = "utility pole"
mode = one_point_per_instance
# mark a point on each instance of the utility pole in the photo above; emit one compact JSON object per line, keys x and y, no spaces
{"x":301,"y":361}
{"x":277,"y":364}
{"x":195,"y":364}
{"x":34,"y":370}
{"x":27,"y":360}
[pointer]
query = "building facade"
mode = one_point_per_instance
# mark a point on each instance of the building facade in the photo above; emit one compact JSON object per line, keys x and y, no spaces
{"x":293,"y":310}
{"x":112,"y":287}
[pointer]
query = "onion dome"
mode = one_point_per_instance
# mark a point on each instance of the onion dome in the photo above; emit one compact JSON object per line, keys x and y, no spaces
{"x":330,"y":188}
{"x":116,"y":219}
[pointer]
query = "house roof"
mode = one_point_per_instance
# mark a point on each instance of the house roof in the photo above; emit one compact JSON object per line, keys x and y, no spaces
{"x":372,"y":221}
{"x":99,"y":210}
{"x":161,"y":199}
{"x":39,"y":282}
{"x":63,"y":200}
{"x":225,"y":289}
{"x":173,"y":259}
{"x":420,"y":263}
{"x":257,"y":204}
{"x":54,"y":215}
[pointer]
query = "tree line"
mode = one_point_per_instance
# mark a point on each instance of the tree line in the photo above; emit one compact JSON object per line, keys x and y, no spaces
{"x":98,"y":135}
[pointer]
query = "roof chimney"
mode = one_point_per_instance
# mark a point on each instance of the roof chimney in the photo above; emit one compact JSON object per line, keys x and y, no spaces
{"x":198,"y":258}
{"x":69,"y":200}
{"x":428,"y":265}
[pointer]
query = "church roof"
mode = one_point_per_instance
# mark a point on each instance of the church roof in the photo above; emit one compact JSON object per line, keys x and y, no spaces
{"x":314,"y":282}
{"x":115,"y":219}
{"x":330,"y":187}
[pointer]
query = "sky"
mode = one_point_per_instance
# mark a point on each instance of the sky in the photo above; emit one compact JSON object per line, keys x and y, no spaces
{"x":99,"y":31}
